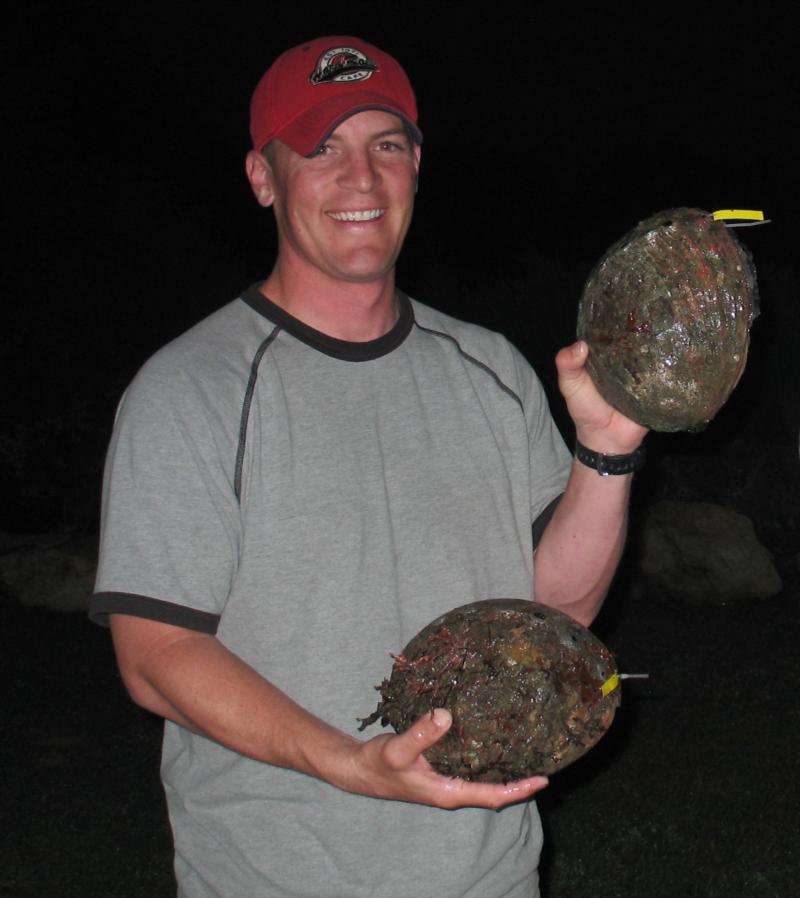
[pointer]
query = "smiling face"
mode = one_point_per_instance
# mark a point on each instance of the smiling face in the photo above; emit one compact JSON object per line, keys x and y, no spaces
{"x":343,"y":213}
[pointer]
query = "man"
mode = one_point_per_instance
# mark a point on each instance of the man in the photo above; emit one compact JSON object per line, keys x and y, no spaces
{"x":305,"y":479}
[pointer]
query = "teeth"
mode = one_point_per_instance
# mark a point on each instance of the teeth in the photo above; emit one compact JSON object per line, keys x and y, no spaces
{"x":364,"y":215}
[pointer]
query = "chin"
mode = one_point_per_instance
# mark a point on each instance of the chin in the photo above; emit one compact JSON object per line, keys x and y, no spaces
{"x":366,"y":273}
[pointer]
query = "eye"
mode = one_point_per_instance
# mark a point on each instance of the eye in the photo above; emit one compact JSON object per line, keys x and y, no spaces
{"x":394,"y":141}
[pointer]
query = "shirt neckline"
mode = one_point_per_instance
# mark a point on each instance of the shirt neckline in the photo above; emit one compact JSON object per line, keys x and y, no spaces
{"x":339,"y":349}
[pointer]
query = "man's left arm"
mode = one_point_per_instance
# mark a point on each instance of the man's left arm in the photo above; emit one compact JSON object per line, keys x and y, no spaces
{"x":580,"y":548}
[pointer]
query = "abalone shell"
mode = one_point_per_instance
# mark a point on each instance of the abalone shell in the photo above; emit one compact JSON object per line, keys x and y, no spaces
{"x":667,"y":314}
{"x":530,"y":690}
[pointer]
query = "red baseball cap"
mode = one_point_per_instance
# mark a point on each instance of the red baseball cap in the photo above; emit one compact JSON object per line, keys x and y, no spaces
{"x":309,"y":90}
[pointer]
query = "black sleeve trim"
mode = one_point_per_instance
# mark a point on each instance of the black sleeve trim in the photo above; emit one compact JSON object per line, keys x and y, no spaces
{"x":543,"y":520}
{"x":105,"y":603}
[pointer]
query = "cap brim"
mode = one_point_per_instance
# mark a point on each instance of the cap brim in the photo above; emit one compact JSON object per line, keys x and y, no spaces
{"x":309,"y":131}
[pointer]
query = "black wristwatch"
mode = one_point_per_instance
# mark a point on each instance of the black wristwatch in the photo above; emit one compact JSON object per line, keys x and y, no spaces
{"x":610,"y":464}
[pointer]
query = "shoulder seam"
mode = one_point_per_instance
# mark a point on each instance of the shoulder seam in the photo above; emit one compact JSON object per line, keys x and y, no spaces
{"x":245,"y":416}
{"x":477,"y":362}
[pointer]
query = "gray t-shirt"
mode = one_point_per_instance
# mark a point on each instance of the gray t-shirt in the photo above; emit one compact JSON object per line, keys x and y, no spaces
{"x":315,"y":503}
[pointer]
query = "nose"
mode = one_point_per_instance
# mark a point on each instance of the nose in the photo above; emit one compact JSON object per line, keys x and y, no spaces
{"x":359,"y":171}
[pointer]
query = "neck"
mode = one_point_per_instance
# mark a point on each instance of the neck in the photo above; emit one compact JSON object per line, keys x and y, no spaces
{"x":356,"y":312}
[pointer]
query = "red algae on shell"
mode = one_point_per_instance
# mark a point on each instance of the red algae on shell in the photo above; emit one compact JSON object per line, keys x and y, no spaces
{"x":530,"y":690}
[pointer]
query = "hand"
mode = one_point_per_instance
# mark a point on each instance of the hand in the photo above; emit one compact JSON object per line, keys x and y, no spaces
{"x":598,"y":425}
{"x":393,"y":767}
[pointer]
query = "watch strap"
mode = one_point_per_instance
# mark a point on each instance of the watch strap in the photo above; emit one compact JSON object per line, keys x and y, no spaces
{"x":610,"y":464}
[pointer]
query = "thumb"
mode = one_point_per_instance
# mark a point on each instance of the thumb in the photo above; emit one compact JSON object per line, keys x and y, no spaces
{"x":401,"y":751}
{"x":570,"y":363}
{"x":572,"y":358}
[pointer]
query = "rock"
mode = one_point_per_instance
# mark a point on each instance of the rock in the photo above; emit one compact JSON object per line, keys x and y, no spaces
{"x":53,"y":570}
{"x":704,"y":553}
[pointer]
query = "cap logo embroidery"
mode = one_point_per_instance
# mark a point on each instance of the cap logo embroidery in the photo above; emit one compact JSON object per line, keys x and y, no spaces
{"x":342,"y":64}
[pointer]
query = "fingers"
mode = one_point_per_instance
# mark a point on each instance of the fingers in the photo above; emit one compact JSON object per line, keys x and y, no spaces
{"x":393,"y":767}
{"x":594,"y":418}
{"x":458,"y":793}
{"x":402,"y":751}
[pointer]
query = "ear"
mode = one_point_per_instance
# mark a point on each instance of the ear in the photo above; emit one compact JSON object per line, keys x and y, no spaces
{"x":417,"y":157}
{"x":259,"y":174}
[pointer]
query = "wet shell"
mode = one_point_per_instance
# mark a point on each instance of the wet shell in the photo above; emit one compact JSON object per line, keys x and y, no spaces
{"x":667,"y":314}
{"x":530,"y":690}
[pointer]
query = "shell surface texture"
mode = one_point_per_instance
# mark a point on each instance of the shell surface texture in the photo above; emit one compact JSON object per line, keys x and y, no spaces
{"x":527,"y":687}
{"x":667,"y":314}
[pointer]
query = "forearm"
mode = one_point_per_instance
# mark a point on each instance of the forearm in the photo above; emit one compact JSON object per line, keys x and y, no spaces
{"x":195,"y":681}
{"x":192,"y":679}
{"x":581,"y":546}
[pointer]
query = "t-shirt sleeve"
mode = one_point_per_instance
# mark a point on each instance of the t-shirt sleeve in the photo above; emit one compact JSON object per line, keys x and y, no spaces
{"x":550,"y":459}
{"x":170,"y":518}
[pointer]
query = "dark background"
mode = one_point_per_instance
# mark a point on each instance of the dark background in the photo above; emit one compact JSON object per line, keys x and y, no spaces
{"x":548,"y":134}
{"x":128,"y":217}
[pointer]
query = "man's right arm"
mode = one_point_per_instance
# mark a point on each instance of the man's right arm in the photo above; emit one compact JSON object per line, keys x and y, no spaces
{"x":192,"y":679}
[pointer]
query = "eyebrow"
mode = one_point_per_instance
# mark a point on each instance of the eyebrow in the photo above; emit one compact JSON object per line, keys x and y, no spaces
{"x":389,"y":132}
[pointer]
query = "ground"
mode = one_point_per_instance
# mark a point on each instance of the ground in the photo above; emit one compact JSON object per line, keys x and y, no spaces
{"x":693,"y":792}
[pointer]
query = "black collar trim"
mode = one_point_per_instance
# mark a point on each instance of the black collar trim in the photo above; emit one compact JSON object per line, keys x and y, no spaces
{"x":339,"y":349}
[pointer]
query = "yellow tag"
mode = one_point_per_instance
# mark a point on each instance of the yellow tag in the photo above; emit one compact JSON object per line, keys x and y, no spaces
{"x":746,"y":214}
{"x":610,"y":684}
